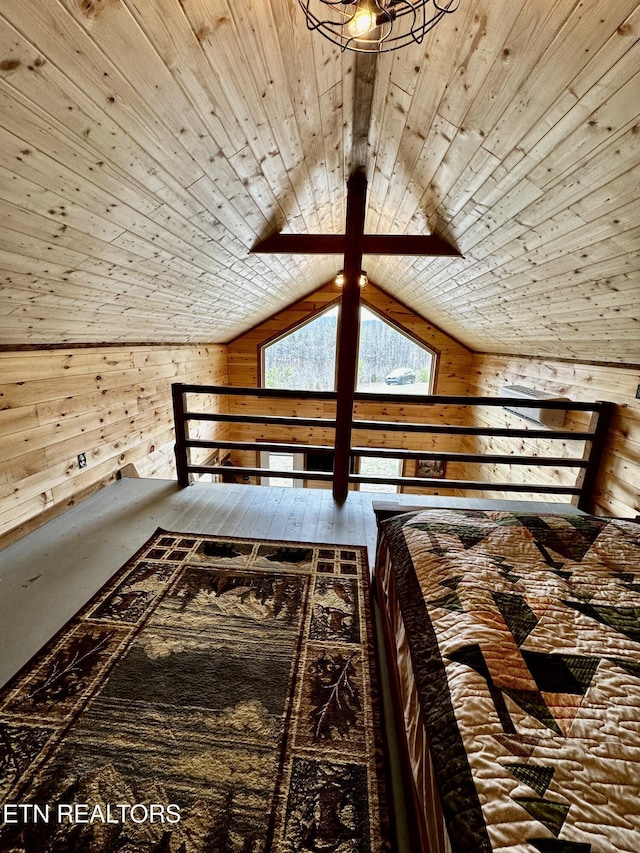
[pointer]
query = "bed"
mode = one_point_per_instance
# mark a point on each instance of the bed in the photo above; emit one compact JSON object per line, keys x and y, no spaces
{"x":514,"y":641}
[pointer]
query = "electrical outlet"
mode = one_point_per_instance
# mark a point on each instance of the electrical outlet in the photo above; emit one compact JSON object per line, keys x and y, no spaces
{"x":82,"y":460}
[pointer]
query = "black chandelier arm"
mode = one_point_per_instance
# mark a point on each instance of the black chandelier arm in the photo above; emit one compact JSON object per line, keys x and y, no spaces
{"x":414,"y":8}
{"x":417,"y":31}
{"x":441,"y":6}
{"x":315,"y":23}
{"x":447,"y":7}
{"x":409,"y":9}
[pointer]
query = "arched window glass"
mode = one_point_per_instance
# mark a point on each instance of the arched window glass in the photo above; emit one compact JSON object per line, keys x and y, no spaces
{"x":391,"y":361}
{"x":304,"y":358}
{"x":388,"y":359}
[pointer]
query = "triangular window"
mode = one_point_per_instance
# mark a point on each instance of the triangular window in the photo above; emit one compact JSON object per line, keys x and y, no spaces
{"x":305,"y":357}
{"x":389,"y":360}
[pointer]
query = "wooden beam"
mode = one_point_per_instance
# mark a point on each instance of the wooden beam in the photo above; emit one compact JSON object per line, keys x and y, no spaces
{"x":599,"y":425}
{"x":372,"y":244}
{"x":301,"y":244}
{"x":365,"y":74}
{"x":348,"y":332}
{"x":406,"y":244}
{"x":182,"y":464}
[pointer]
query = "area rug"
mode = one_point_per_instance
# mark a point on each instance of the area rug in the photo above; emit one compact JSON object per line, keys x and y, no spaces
{"x":216,"y":695}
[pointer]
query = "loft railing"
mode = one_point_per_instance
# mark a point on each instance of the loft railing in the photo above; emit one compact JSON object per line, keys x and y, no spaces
{"x":586,"y":466}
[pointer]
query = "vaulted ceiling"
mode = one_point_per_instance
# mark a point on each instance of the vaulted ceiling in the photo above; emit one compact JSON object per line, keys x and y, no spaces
{"x":147,"y":146}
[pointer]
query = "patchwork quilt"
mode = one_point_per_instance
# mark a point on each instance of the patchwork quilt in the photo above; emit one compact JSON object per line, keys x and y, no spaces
{"x":525,"y":644}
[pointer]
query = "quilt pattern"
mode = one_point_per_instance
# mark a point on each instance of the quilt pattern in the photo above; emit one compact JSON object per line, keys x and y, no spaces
{"x":525,"y":642}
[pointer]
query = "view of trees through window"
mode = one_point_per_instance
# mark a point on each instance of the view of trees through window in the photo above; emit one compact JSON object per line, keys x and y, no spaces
{"x":305,"y":358}
{"x":387,"y":359}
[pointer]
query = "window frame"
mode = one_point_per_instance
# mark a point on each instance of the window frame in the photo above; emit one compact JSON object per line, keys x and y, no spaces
{"x":398,"y":327}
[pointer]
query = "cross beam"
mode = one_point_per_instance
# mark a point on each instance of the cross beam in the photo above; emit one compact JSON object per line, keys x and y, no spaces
{"x":352,"y":245}
{"x":372,"y":244}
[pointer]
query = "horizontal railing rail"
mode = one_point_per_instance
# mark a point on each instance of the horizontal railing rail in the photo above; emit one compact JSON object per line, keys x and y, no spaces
{"x":482,"y":485}
{"x":296,"y":474}
{"x":274,"y":420}
{"x":452,"y":429}
{"x":586,"y":466}
{"x":404,"y":399}
{"x":273,"y":393}
{"x":393,"y":453}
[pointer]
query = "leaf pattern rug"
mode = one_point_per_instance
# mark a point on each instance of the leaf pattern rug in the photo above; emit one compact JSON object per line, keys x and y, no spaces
{"x":231,"y":678}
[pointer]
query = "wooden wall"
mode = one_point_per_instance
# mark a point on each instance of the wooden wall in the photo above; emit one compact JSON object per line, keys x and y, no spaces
{"x":453,"y":366}
{"x":616,"y":492}
{"x":111,"y":403}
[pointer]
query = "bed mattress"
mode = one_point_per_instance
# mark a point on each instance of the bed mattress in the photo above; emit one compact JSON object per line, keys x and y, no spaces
{"x":519,"y":666}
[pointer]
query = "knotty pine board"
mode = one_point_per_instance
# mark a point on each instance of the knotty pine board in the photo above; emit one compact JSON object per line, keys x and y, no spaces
{"x":148,"y":146}
{"x":616,"y":491}
{"x":112,"y":403}
{"x":244,"y":354}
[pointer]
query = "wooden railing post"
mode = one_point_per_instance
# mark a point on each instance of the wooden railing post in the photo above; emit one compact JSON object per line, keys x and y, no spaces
{"x":581,"y":491}
{"x":348,"y":329}
{"x":594,"y":449}
{"x":177,"y":393}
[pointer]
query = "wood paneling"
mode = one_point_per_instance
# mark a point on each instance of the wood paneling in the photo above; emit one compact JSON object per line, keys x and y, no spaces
{"x":146,"y":147}
{"x":113,"y":404}
{"x":243,"y":353}
{"x":453,"y":366}
{"x":616,"y":491}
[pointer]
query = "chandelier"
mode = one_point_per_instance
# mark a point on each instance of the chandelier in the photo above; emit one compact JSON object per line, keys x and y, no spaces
{"x":375,"y":26}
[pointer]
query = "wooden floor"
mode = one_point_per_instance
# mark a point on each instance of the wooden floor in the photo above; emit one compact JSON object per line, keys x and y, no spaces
{"x":47,"y":576}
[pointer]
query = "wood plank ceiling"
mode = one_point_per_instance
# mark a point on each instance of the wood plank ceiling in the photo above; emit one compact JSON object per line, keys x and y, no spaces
{"x":147,"y":146}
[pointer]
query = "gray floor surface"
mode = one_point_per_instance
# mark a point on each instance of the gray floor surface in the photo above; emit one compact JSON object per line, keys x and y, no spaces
{"x":47,"y":576}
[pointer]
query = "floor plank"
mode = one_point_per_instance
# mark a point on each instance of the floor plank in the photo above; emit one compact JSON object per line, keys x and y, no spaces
{"x":50,"y":573}
{"x":47,"y":576}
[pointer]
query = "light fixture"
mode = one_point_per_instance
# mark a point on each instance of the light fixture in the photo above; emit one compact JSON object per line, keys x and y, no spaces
{"x":375,"y":26}
{"x":362,"y":281}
